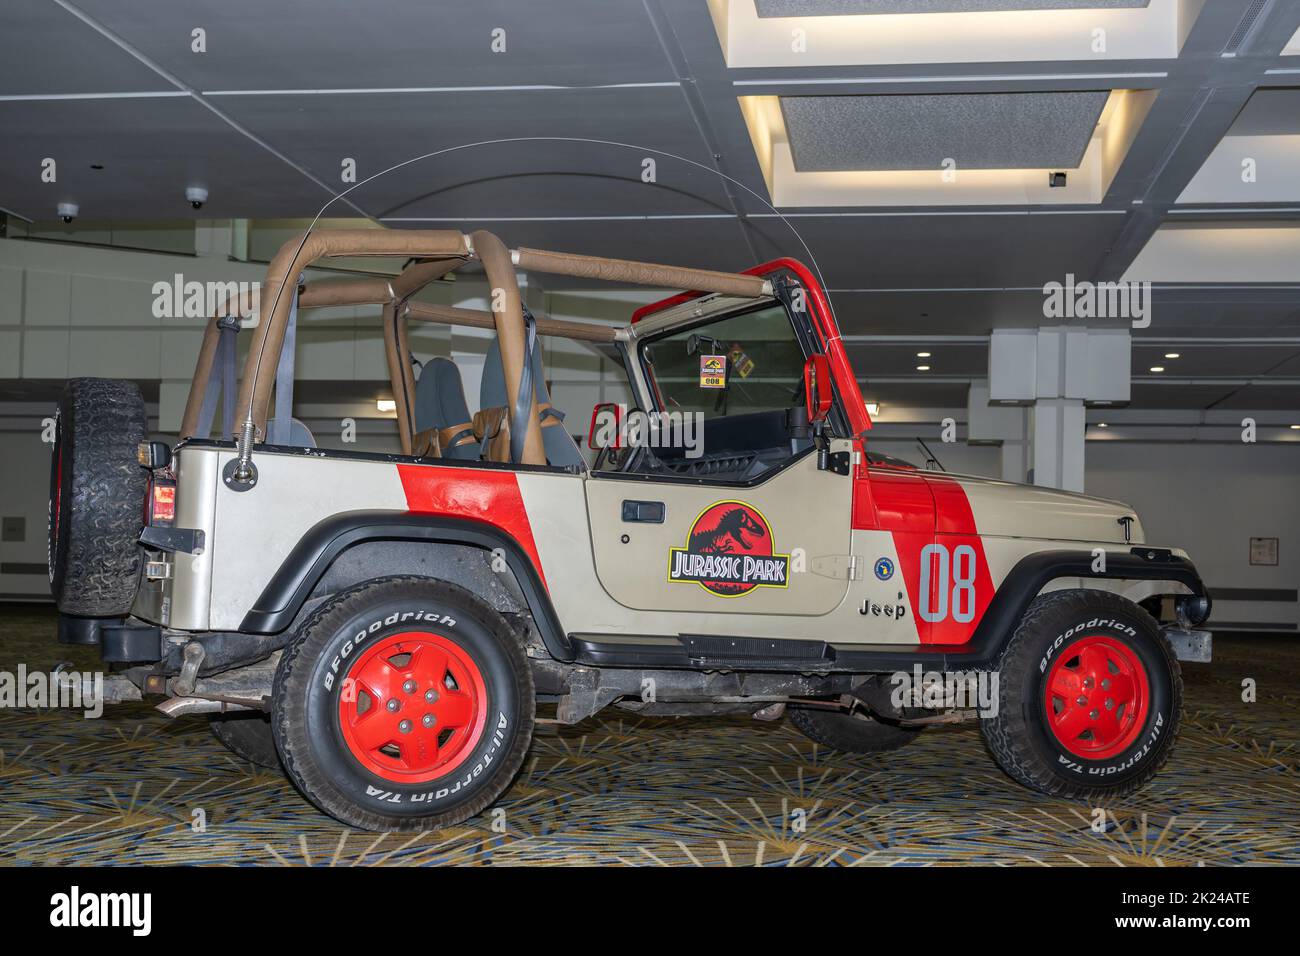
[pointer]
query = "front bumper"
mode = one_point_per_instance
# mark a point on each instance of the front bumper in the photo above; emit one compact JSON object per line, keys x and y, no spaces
{"x":1188,"y":644}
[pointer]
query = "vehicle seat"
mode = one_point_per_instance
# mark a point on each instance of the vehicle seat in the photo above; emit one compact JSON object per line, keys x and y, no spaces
{"x":440,"y":408}
{"x":558,"y":443}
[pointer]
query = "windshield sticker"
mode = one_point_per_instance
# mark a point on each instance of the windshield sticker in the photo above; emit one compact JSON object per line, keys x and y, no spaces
{"x":729,"y":552}
{"x":741,"y":362}
{"x":713,"y":371}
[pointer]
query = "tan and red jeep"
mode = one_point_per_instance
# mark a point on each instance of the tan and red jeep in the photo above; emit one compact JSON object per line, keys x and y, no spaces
{"x":384,"y":625}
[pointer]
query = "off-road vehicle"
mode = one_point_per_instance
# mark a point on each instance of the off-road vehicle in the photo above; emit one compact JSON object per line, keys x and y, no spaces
{"x":385,"y":625}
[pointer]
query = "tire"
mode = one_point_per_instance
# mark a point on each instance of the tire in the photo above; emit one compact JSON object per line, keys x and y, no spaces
{"x":247,"y":735}
{"x":346,"y":658}
{"x":851,"y":733}
{"x":97,"y":498}
{"x":1044,"y":737}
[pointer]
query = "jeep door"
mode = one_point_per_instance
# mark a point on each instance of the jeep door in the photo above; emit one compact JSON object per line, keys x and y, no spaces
{"x":720,"y":506}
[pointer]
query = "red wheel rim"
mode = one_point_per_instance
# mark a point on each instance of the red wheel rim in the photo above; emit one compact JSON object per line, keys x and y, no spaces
{"x":1097,"y":696}
{"x":413,"y":706}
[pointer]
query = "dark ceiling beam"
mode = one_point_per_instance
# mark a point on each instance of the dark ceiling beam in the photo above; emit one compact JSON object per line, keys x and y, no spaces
{"x":676,"y":57}
{"x":1208,"y":89}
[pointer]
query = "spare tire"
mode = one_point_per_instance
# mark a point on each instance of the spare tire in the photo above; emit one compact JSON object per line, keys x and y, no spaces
{"x":97,"y":497}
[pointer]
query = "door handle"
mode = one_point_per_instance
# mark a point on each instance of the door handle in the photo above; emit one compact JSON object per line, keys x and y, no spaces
{"x":649,"y":512}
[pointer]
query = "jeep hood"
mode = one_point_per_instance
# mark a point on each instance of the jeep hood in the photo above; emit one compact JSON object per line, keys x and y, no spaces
{"x":1004,"y":509}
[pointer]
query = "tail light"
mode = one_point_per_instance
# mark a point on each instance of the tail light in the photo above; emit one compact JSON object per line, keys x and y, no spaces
{"x":161,"y":503}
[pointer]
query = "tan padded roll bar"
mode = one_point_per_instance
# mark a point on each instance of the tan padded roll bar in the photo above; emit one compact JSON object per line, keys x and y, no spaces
{"x":479,"y":319}
{"x":295,"y":256}
{"x":641,"y":273}
{"x":500,"y":270}
{"x":397,"y":345}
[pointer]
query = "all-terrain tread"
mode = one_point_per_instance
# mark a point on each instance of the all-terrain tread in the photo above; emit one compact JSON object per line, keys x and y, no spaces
{"x":97,"y":572}
{"x":856,"y":733}
{"x":248,"y":736}
{"x":1007,"y":733}
{"x":291,"y":709}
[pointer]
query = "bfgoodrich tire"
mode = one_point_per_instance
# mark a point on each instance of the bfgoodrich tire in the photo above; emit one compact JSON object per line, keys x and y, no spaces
{"x":1090,"y":697}
{"x":851,"y":733}
{"x":247,"y":735}
{"x":403,"y":704}
{"x":97,"y":498}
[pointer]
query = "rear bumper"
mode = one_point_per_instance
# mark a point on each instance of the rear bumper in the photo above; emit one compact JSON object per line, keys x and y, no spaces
{"x":1189,"y":644}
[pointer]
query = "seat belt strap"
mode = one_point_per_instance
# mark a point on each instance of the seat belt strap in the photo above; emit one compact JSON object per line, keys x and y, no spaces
{"x":223,"y":365}
{"x":519,"y":420}
{"x":283,"y":420}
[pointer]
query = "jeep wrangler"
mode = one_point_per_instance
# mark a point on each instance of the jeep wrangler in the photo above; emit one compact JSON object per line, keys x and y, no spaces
{"x":383,"y":626}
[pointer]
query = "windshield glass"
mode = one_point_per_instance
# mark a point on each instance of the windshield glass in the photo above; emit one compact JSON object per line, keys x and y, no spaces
{"x":741,"y":363}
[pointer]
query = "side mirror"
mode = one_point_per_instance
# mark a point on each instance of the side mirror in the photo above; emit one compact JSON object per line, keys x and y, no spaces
{"x":818,"y":393}
{"x":605,"y":429}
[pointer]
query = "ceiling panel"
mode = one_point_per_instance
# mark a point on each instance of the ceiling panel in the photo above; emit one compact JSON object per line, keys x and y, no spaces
{"x":331,"y":44}
{"x":1269,"y":112}
{"x":887,"y":359}
{"x":151,"y":150}
{"x":917,"y":394}
{"x":1213,"y":360}
{"x":976,"y":130}
{"x":44,"y":50}
{"x":1263,"y":396}
{"x":948,"y":252}
{"x":594,"y":176}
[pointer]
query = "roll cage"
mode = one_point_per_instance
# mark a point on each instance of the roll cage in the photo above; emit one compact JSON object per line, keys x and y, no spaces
{"x":434,"y":254}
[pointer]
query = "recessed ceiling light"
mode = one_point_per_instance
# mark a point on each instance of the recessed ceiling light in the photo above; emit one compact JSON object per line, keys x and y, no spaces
{"x":386,"y":405}
{"x":1157,"y":368}
{"x":1102,"y":425}
{"x":923,"y":368}
{"x":1295,"y":428}
{"x":922,"y":354}
{"x":873,"y":409}
{"x":1172,"y":355}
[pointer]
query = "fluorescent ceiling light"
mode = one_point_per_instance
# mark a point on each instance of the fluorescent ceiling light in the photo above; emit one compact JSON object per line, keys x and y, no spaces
{"x":1157,"y":368}
{"x":386,"y":405}
{"x":873,"y":409}
{"x":1172,"y":355}
{"x":923,"y":368}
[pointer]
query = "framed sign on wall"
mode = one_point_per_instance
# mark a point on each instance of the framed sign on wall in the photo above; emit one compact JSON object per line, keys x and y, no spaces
{"x":1263,"y":551}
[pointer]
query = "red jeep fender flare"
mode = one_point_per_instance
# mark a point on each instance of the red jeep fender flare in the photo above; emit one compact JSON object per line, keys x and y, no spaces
{"x":287,"y":591}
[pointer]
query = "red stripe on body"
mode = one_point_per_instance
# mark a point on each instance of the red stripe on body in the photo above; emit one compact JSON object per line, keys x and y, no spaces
{"x":954,"y":527}
{"x":920,"y":509}
{"x":485,"y":495}
{"x":898,"y":501}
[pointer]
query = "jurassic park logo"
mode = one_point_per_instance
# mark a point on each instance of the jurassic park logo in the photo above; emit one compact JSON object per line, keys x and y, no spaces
{"x":729,"y":552}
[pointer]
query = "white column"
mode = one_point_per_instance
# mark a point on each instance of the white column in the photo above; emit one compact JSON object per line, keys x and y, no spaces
{"x":1058,"y":427}
{"x":1054,"y":373}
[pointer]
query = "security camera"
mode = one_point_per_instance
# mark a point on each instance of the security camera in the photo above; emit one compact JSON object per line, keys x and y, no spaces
{"x":68,"y":211}
{"x":197,"y":196}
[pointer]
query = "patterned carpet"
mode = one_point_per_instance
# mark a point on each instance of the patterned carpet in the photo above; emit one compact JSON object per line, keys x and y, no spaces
{"x":628,"y":790}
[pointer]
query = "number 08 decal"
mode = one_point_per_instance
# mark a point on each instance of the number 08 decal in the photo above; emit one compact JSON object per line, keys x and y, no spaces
{"x":947,"y":583}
